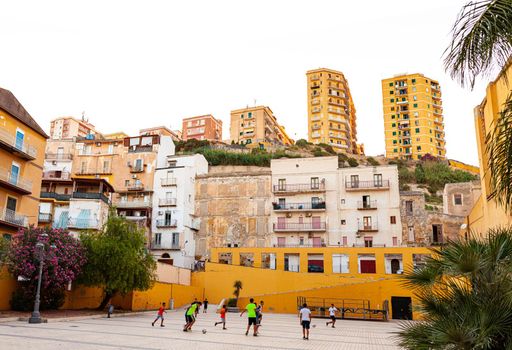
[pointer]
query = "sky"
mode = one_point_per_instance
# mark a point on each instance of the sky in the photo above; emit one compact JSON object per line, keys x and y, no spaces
{"x":136,"y":64}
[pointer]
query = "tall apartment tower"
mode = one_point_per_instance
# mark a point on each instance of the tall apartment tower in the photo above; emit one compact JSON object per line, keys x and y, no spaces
{"x":413,"y":117}
{"x":69,"y":127}
{"x":331,"y":111}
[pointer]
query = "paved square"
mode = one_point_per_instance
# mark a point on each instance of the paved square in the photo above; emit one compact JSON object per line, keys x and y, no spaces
{"x":135,"y":332}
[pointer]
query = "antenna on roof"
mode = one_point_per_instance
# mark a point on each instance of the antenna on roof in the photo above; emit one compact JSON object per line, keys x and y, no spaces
{"x":254,"y":102}
{"x":83,"y":115}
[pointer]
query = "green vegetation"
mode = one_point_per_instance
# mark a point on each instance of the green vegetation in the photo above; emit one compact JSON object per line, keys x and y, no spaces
{"x":464,"y":296}
{"x":352,"y":162}
{"x":257,"y":158}
{"x":301,"y":143}
{"x":238,"y":287}
{"x":372,"y":161}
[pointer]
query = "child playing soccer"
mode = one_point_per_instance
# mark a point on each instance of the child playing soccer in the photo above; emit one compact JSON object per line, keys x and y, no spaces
{"x":160,"y":316}
{"x":222,"y":317}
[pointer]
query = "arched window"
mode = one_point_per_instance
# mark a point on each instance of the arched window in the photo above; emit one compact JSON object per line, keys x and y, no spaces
{"x":166,"y":256}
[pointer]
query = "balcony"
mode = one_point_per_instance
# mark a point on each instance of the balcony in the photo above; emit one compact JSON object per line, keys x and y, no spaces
{"x":367,"y":205}
{"x":11,"y":218}
{"x":369,"y":227}
{"x":166,"y":223}
{"x":366,"y":185}
{"x":316,"y":127}
{"x":83,"y":223}
{"x":315,"y":135}
{"x":299,"y":188}
{"x":44,"y":218}
{"x":402,"y":102}
{"x":94,"y":171}
{"x":171,"y":181}
{"x":58,"y":156}
{"x":137,"y":169}
{"x":19,"y":147}
{"x":56,"y":196}
{"x":133,"y":204}
{"x":315,"y":110}
{"x":57,"y":175}
{"x":336,"y":110}
{"x":299,"y":227}
{"x":314,"y":77}
{"x":435,"y":87}
{"x":140,"y":149}
{"x":135,"y":186}
{"x":167,"y":202}
{"x":299,"y":206}
{"x":137,"y":219}
{"x":15,"y":182}
{"x":165,"y":245}
{"x":91,"y":195}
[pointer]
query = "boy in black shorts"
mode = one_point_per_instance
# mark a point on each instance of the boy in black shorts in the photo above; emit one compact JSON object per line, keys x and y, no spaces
{"x":305,"y":320}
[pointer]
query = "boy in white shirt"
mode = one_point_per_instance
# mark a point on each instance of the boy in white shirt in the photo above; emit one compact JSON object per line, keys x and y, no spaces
{"x":332,"y":315}
{"x":305,"y":320}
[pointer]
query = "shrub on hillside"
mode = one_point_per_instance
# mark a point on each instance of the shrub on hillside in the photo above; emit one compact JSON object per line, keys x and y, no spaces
{"x":301,"y":143}
{"x":352,"y":162}
{"x":327,"y":148}
{"x":372,"y":161}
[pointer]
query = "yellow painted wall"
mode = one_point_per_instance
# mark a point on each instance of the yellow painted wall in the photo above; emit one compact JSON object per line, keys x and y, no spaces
{"x":7,"y":287}
{"x":163,"y":292}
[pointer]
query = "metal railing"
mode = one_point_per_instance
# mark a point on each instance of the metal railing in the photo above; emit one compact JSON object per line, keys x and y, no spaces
{"x":12,"y":217}
{"x":137,"y":169}
{"x":166,"y":223}
{"x":134,"y":204}
{"x":139,"y":149}
{"x":21,"y":146}
{"x":58,"y":156}
{"x":370,"y":227}
{"x":91,"y":195}
{"x":85,"y":223}
{"x":165,"y":245}
{"x":44,"y":217}
{"x":299,"y":206}
{"x":94,"y":171}
{"x":163,"y":202}
{"x":308,"y":245}
{"x":16,"y":181}
{"x":135,"y":186}
{"x":367,"y":184}
{"x":366,"y":205}
{"x":299,"y":226}
{"x":56,"y":196}
{"x":170,"y":181}
{"x":56,"y":175}
{"x":300,"y":187}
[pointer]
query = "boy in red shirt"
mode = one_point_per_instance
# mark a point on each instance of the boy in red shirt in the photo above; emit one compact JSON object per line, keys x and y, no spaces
{"x":222,"y":317}
{"x":160,"y":315}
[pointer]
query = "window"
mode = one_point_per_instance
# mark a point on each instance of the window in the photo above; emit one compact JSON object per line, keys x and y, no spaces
{"x":343,"y":222}
{"x":281,"y":185}
{"x":394,"y":142}
{"x":175,"y":239}
{"x":11,"y":206}
{"x":392,"y":100}
{"x":158,"y":237}
{"x":391,"y":84}
{"x":315,"y":183}
{"x":413,"y":81}
{"x":242,"y":116}
{"x":417,"y":130}
{"x":392,"y":219}
{"x":394,"y":133}
{"x":126,"y":183}
{"x":106,"y":166}
{"x":392,"y":116}
{"x":340,"y":263}
{"x":416,"y":123}
{"x":415,"y":105}
{"x":377,"y":180}
{"x":368,"y":242}
{"x":415,"y":98}
{"x":110,"y":149}
{"x":138,"y":164}
{"x":354,"y":181}
{"x":391,"y":92}
{"x":393,"y":125}
{"x":457,"y":199}
{"x":249,"y":115}
{"x":408,"y":208}
{"x":395,"y":150}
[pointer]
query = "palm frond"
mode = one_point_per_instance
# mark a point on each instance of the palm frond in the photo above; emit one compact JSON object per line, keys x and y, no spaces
{"x":499,"y":150}
{"x":481,"y":40}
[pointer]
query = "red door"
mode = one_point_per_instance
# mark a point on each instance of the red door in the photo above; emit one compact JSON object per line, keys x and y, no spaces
{"x":281,"y":223}
{"x":317,"y":242}
{"x":316,"y":222}
{"x":368,"y":266}
{"x":281,"y":241}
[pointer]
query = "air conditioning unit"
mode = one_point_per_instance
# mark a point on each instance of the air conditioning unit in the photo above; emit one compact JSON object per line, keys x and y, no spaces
{"x":308,"y":215}
{"x":134,"y":176}
{"x":288,"y":215}
{"x":54,"y":162}
{"x":160,"y":213}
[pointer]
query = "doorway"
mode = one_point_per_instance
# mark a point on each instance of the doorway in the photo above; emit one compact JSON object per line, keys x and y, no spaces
{"x":401,"y":308}
{"x":437,"y":233}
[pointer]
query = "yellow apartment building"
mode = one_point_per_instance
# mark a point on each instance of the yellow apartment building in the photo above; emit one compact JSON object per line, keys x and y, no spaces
{"x":257,"y":127}
{"x":487,"y":213}
{"x":22,"y":147}
{"x":413,"y":117}
{"x":331,"y":111}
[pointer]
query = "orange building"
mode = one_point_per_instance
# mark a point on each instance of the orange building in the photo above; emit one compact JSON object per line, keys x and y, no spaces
{"x":204,"y":127}
{"x":22,"y":147}
{"x":69,"y":127}
{"x":162,"y":131}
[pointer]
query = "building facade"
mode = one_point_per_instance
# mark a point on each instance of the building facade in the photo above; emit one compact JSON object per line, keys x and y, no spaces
{"x":69,"y":127}
{"x":413,"y":117}
{"x":174,"y":223}
{"x":460,"y":198}
{"x":257,"y":127}
{"x":331,"y":111}
{"x":203,"y":127}
{"x":22,"y":147}
{"x":162,"y":131}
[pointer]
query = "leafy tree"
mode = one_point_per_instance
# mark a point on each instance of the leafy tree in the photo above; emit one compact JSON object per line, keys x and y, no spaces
{"x":482,"y":42}
{"x":118,"y":260}
{"x":4,"y":249}
{"x":238,"y":287}
{"x":62,"y":265}
{"x":465,"y":296}
{"x":372,"y":161}
{"x":301,"y":143}
{"x":352,"y":162}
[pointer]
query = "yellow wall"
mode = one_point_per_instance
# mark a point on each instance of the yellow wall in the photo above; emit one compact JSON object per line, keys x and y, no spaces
{"x":7,"y":287}
{"x":463,"y":166}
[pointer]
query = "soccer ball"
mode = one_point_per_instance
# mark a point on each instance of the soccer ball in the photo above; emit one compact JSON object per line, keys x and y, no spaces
{"x":204,"y":331}
{"x":314,"y":326}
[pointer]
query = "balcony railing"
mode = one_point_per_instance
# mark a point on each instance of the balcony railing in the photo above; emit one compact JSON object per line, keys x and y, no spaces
{"x":56,"y":196}
{"x":56,"y":175}
{"x":44,"y":217}
{"x":295,"y":188}
{"x":299,"y":226}
{"x":15,"y":182}
{"x":167,"y":202}
{"x":18,"y":146}
{"x":298,"y":206}
{"x":134,"y":204}
{"x":166,"y":223}
{"x":369,"y":227}
{"x":137,"y":169}
{"x":91,"y":195}
{"x":58,"y":156}
{"x":366,"y":205}
{"x":85,"y":223}
{"x":367,"y":185}
{"x":139,"y":149}
{"x":11,"y":217}
{"x":170,"y":181}
{"x":165,"y":245}
{"x":94,"y":171}
{"x":307,"y":245}
{"x":135,"y":186}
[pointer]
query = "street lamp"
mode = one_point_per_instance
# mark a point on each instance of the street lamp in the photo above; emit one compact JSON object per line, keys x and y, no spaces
{"x":36,"y":316}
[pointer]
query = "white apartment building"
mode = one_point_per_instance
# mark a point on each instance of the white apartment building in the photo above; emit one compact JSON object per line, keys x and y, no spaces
{"x":173,"y":220}
{"x":315,"y":203}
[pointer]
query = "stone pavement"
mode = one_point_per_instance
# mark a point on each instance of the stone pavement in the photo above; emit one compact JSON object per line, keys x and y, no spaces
{"x":135,"y":332}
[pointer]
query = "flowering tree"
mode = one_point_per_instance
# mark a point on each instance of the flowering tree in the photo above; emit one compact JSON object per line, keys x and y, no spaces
{"x":62,"y":264}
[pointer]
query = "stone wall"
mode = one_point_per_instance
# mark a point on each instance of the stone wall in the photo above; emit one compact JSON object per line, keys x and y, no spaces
{"x":417,"y":226}
{"x":469,"y":191}
{"x":233,"y":204}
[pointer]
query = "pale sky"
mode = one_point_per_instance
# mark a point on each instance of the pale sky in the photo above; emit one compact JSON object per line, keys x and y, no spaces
{"x":132,"y":65}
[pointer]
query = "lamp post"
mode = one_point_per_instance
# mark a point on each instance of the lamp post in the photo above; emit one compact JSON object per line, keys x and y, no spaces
{"x":36,"y":316}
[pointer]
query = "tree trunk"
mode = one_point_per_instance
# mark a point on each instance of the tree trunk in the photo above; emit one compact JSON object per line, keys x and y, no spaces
{"x":105,"y":300}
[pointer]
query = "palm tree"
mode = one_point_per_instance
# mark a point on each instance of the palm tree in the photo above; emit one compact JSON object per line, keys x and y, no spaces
{"x":465,"y":294}
{"x":482,"y":43}
{"x":238,"y":286}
